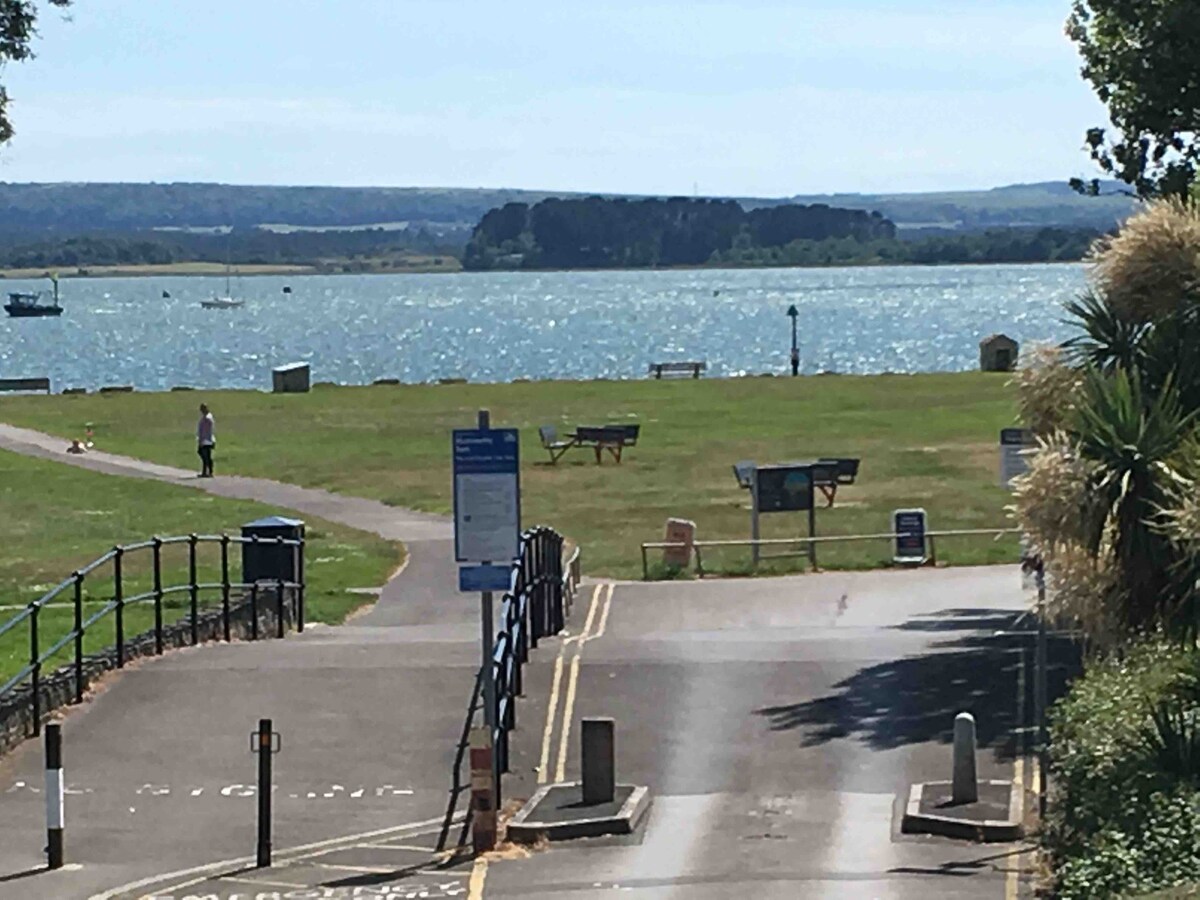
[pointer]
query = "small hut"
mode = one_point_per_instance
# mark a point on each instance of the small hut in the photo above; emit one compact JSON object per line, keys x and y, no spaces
{"x":997,"y":353}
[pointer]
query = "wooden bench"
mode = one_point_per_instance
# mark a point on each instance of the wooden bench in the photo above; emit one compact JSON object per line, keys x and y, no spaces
{"x":677,"y":369}
{"x":613,"y":438}
{"x":25,"y":384}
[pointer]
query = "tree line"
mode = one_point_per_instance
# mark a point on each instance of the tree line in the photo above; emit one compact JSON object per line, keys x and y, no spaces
{"x":600,"y":232}
{"x":250,"y":246}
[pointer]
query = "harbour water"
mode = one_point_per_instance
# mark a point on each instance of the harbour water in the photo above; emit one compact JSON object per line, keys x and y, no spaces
{"x":354,"y":329}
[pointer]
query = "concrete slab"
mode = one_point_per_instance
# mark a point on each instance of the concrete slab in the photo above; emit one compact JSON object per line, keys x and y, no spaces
{"x":557,"y":813}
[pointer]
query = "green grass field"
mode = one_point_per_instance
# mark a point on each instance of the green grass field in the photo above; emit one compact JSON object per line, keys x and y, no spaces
{"x":925,"y":440}
{"x":56,"y":518}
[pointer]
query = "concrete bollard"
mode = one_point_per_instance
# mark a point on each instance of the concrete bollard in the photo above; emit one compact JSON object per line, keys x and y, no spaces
{"x":965,"y":787}
{"x":599,"y":761}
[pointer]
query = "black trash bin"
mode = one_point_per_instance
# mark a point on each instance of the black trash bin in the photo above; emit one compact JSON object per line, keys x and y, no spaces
{"x":267,"y":560}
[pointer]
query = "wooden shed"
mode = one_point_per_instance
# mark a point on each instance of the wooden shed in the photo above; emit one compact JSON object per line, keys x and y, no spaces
{"x":998,"y":353}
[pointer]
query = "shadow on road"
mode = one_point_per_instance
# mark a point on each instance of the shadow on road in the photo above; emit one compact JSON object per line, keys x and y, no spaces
{"x":914,"y":699}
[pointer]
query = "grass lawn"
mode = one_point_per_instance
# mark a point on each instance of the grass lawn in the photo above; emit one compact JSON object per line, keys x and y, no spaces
{"x":56,"y":518}
{"x":925,"y":440}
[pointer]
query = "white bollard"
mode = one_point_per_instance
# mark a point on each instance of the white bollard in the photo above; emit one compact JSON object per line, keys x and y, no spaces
{"x":964,"y":788}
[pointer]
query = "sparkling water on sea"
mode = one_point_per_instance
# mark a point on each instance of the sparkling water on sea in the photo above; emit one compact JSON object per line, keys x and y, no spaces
{"x":354,"y":329}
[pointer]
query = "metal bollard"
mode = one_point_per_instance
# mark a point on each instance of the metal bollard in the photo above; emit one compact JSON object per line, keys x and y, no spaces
{"x":965,"y":787}
{"x":599,"y":761}
{"x":265,"y":743}
{"x":54,"y":797}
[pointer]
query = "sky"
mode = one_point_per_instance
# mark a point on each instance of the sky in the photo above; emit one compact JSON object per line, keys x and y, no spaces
{"x":731,"y":98}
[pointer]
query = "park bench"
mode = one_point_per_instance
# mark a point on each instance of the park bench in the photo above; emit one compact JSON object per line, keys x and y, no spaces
{"x":613,"y":438}
{"x":25,"y":384}
{"x":677,"y":369}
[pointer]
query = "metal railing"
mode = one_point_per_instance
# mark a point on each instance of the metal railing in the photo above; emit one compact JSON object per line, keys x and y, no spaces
{"x":537,"y":604}
{"x":75,"y":587}
{"x":699,"y":546}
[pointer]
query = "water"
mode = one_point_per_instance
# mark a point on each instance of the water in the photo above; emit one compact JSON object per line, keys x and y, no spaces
{"x":498,"y":327}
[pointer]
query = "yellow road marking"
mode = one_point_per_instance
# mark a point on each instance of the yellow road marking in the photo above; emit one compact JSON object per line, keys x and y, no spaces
{"x":1012,"y":878}
{"x":568,"y":709}
{"x":551,"y":716}
{"x":478,"y":877}
{"x":604,"y":616}
{"x":586,"y":635}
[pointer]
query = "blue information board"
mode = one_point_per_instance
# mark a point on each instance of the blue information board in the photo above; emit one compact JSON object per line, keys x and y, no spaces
{"x":487,"y":495}
{"x":475,"y":579}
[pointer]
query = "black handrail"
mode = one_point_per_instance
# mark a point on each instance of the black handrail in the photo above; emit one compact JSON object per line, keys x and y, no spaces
{"x":119,"y":556}
{"x":541,"y":592}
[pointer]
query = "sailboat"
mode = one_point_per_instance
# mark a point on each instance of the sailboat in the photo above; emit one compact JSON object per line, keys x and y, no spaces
{"x":228,"y":301}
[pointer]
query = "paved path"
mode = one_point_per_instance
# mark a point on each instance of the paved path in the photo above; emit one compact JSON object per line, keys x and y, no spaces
{"x":371,"y":715}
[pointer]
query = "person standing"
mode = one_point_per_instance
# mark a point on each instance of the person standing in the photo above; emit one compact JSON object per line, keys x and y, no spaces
{"x":205,"y":440}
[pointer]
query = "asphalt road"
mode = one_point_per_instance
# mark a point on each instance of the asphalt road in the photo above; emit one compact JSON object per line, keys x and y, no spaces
{"x":779,"y":724}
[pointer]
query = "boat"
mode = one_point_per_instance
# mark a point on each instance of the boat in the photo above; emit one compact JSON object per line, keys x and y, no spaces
{"x":23,"y":305}
{"x":222,"y":303}
{"x":228,"y":301}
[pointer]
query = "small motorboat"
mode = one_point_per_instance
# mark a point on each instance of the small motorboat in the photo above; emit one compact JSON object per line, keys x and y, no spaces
{"x":23,"y":305}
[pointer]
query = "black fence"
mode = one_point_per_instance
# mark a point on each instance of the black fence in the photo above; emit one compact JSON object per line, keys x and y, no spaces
{"x":286,"y":596}
{"x":537,"y":605}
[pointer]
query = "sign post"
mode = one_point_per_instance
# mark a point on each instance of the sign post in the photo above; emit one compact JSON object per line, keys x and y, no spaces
{"x":793,"y":313}
{"x":487,"y":529}
{"x":783,"y":488}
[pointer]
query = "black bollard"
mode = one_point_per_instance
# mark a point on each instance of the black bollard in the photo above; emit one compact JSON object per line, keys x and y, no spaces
{"x":599,"y":761}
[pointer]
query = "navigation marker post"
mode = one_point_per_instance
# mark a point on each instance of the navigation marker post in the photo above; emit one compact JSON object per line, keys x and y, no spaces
{"x":487,"y":529}
{"x":793,"y":313}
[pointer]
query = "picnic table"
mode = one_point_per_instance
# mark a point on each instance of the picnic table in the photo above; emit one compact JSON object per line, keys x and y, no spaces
{"x":613,"y":438}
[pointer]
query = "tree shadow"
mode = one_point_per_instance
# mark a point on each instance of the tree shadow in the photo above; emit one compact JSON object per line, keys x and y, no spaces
{"x":914,"y":699}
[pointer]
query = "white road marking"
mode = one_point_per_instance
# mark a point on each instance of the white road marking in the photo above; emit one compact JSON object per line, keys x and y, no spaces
{"x":290,"y":854}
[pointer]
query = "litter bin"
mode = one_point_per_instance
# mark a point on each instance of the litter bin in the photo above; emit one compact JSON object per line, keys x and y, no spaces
{"x":268,"y":561}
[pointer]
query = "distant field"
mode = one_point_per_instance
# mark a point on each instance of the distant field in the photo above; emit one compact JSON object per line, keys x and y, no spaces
{"x":402,"y":264}
{"x":56,"y":518}
{"x":179,"y":268}
{"x":925,"y":440}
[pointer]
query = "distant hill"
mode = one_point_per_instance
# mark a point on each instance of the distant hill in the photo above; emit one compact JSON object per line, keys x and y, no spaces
{"x":77,"y":208}
{"x":1048,"y":203}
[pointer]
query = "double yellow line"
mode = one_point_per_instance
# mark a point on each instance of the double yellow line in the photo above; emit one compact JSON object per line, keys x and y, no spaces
{"x":594,"y":627}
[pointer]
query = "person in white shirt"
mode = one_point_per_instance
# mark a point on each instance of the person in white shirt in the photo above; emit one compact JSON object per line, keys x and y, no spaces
{"x":206,"y":440}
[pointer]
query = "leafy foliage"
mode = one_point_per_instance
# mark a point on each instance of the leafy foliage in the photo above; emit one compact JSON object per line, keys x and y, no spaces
{"x":18,"y":21}
{"x":1122,"y":821}
{"x":1140,"y":57}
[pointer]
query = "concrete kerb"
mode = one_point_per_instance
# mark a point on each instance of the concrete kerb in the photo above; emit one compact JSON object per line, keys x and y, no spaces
{"x":524,"y":828}
{"x":964,"y":828}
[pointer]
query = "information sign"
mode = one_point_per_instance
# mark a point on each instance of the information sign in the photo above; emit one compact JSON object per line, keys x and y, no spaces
{"x":477,"y":579}
{"x":909,"y":527}
{"x":784,"y":488}
{"x":487,"y":495}
{"x":1013,"y":461}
